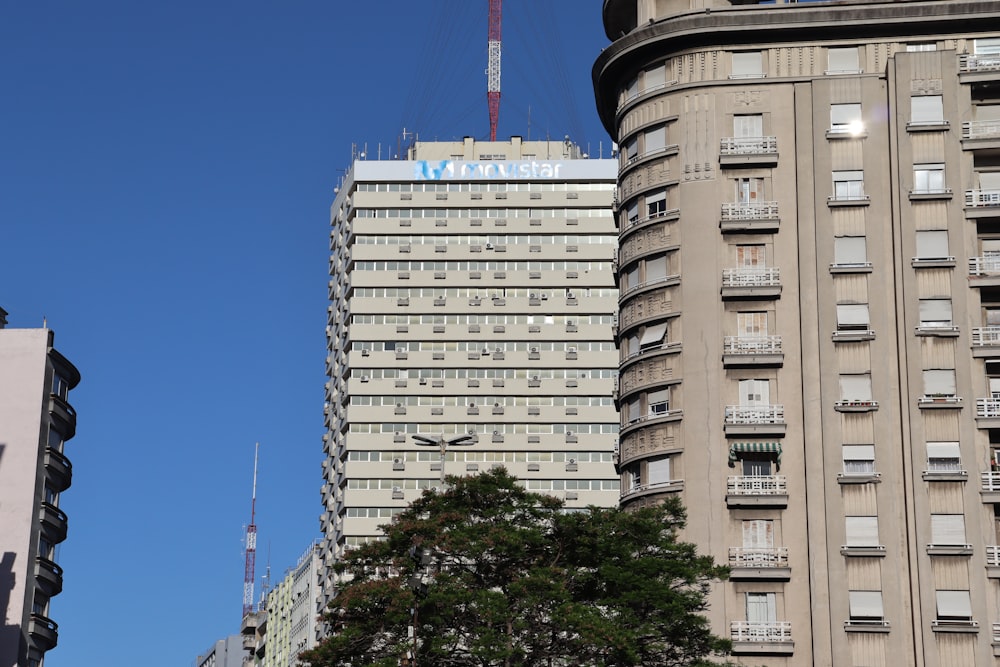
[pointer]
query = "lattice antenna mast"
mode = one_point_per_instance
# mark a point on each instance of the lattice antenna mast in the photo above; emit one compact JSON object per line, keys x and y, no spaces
{"x":251,"y":543}
{"x":493,"y":70}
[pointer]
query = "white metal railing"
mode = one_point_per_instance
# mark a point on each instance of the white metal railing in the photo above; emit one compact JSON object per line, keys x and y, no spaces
{"x":981,"y":129}
{"x":650,"y":283}
{"x":971,"y":62}
{"x":765,"y":210}
{"x":985,"y":336}
{"x":927,"y":399}
{"x":856,"y":403}
{"x":756,"y":485}
{"x":758,"y":557}
{"x":650,"y":417}
{"x":988,"y":407}
{"x":659,"y":214}
{"x":991,"y":480}
{"x":996,"y":632}
{"x":984,"y":266}
{"x":761,"y":414}
{"x":749,"y":145}
{"x":752,"y":345}
{"x":993,"y":555}
{"x":848,"y":197}
{"x":979,"y":198}
{"x":669,"y":485}
{"x":751,"y":277}
{"x":642,"y":156}
{"x":747,"y":631}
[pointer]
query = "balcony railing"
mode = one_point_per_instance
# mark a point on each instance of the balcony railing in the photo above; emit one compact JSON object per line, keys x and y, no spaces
{"x":984,"y":266}
{"x":749,"y":146}
{"x":988,"y":408}
{"x":993,"y":556}
{"x":746,"y":631}
{"x":758,"y":557}
{"x":982,"y":198}
{"x":762,"y":414}
{"x":650,"y":283}
{"x":985,"y":336}
{"x":765,"y":210}
{"x":991,"y":480}
{"x":971,"y":62}
{"x":981,"y":129}
{"x":669,"y":485}
{"x":755,"y":277}
{"x":757,"y":485}
{"x":752,"y":345}
{"x":666,"y":213}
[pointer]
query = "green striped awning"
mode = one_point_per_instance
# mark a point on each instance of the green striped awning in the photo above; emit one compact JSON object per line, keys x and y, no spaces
{"x":737,"y":448}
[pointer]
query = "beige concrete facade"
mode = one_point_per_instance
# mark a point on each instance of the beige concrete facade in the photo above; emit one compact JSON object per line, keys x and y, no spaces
{"x":472,"y":294}
{"x":36,"y":419}
{"x":809,"y":201}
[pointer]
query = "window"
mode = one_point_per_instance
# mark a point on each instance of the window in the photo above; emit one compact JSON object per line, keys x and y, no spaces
{"x":948,"y":530}
{"x":754,"y":393}
{"x":752,"y":324}
{"x":748,"y":126}
{"x":761,"y":608}
{"x":850,"y":251}
{"x":656,"y":269}
{"x":935,"y":313}
{"x":60,"y":387}
{"x":659,"y":402}
{"x":633,"y":413}
{"x":861,"y":531}
{"x":632,"y":212}
{"x":848,"y":185}
{"x":656,"y":203}
{"x":926,"y":110}
{"x":749,"y":190}
{"x":853,"y":317}
{"x":843,"y":61}
{"x":921,"y":46}
{"x":756,"y":464}
{"x":632,"y":278}
{"x":943,"y":457}
{"x":928,"y":178}
{"x":747,"y":65}
{"x":654,"y":78}
{"x":631,"y":149}
{"x":654,"y":140}
{"x":866,"y":606}
{"x":859,"y":459}
{"x":932,"y":244}
{"x":633,"y":89}
{"x":758,"y":534}
{"x":652,"y":336}
{"x":631,"y":480}
{"x":750,"y":256}
{"x":846,"y":118}
{"x":856,"y":388}
{"x":987,"y":47}
{"x":953,"y":606}
{"x":939,"y":382}
{"x":658,"y":470}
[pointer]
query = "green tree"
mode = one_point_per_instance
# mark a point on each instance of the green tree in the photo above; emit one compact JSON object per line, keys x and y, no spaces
{"x":490,"y":575}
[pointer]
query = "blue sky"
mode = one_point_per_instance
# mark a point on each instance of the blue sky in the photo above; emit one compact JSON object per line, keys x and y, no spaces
{"x":166,"y":171}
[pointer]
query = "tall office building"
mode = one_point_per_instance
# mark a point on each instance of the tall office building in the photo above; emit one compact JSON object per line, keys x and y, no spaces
{"x":36,"y":420}
{"x":820,"y":184}
{"x":292,"y":623}
{"x":471,"y":295}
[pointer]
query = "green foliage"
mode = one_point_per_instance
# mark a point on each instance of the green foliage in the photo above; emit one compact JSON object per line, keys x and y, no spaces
{"x":500,"y":577}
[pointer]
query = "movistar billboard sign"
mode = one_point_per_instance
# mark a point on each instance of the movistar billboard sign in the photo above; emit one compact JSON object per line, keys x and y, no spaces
{"x":444,"y":170}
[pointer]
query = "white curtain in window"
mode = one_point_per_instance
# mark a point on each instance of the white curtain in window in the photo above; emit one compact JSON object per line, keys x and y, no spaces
{"x":939,"y":382}
{"x":758,"y":534}
{"x":850,"y":250}
{"x":926,"y":109}
{"x":656,"y":139}
{"x":843,"y":60}
{"x":856,"y":387}
{"x":932,"y":244}
{"x":656,"y":268}
{"x":862,"y":531}
{"x":935,"y":311}
{"x":866,"y":604}
{"x":761,"y":608}
{"x":953,"y":604}
{"x":748,"y":63}
{"x":948,"y":529}
{"x":658,"y":470}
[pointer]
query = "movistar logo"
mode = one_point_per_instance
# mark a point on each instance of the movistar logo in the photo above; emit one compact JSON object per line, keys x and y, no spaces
{"x":427,"y":170}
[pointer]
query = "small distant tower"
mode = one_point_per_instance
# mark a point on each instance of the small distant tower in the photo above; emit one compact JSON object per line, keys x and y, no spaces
{"x":493,"y":69}
{"x":251,"y":544}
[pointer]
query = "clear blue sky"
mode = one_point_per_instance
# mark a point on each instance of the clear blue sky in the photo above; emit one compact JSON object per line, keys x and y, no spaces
{"x":166,"y":171}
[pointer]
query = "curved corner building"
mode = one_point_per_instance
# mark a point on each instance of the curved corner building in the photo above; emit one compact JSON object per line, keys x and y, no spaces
{"x":809,"y":319}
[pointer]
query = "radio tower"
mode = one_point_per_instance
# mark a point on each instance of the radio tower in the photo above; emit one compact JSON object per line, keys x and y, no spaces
{"x":251,"y":544}
{"x":493,"y":70}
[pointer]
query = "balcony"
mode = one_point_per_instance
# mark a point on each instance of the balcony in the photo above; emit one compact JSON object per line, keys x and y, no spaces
{"x":640,"y":490}
{"x":974,"y":68}
{"x":848,"y":200}
{"x":665,"y":281}
{"x":996,"y":640}
{"x":988,"y":412}
{"x":756,"y":491}
{"x":989,"y":491}
{"x":64,"y":415}
{"x":866,"y":625}
{"x":750,"y":217}
{"x":993,"y":561}
{"x":856,"y":405}
{"x":940,"y":471}
{"x":752,"y":351}
{"x":982,"y":203}
{"x":44,"y":632}
{"x":748,"y":151}
{"x":852,"y":335}
{"x":54,"y":522}
{"x":654,"y":418}
{"x":981,"y":134}
{"x":868,"y":550}
{"x":985,"y":342}
{"x":862,"y":476}
{"x":751,"y":283}
{"x":759,"y":563}
{"x":752,"y":420}
{"x":751,"y":638}
{"x":949,"y":549}
{"x":984,"y":271}
{"x":931,"y":402}
{"x":48,"y":576}
{"x":59,"y":470}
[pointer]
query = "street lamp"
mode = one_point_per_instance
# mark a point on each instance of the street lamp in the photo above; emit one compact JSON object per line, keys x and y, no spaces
{"x":443,"y":443}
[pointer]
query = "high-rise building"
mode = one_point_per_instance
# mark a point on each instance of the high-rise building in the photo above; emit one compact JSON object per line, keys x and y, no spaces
{"x":471,"y":299}
{"x":36,"y":420}
{"x":809,"y":224}
{"x":228,"y":652}
{"x":292,"y":623}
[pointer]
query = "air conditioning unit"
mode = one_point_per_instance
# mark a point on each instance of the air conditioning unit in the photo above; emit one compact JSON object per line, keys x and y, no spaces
{"x":534,"y":350}
{"x":532,"y":296}
{"x":399,"y":461}
{"x":397,"y":489}
{"x":572,"y":462}
{"x":472,"y":405}
{"x":496,"y":432}
{"x":570,"y":434}
{"x":489,"y":246}
{"x":399,"y":405}
{"x":545,"y":297}
{"x":571,"y":350}
{"x":485,"y":352}
{"x":364,"y":378}
{"x":535,"y":378}
{"x":423,"y":381}
{"x":365,"y":353}
{"x":496,"y":405}
{"x":472,"y":431}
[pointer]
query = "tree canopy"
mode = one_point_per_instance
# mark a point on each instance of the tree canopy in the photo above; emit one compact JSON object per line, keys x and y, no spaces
{"x":486,"y":574}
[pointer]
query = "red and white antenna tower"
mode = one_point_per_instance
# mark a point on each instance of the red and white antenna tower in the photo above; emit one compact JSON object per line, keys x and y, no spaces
{"x":251,"y":543}
{"x":493,"y":70}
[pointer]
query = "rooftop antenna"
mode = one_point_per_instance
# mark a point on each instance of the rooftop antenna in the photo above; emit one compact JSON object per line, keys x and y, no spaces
{"x":493,"y":69}
{"x":251,"y":544}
